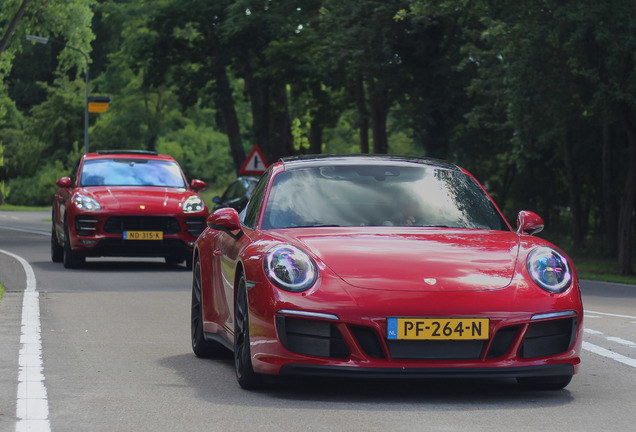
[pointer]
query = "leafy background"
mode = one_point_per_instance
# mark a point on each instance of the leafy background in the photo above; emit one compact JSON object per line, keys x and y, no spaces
{"x":537,"y":98}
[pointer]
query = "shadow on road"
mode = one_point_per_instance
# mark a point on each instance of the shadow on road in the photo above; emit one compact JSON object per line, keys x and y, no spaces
{"x":214,"y":381}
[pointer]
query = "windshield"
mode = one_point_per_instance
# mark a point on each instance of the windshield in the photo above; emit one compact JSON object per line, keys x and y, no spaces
{"x":131,"y":172}
{"x":377,"y":196}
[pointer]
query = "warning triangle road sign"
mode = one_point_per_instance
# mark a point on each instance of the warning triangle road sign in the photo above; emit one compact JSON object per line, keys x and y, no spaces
{"x":254,"y":164}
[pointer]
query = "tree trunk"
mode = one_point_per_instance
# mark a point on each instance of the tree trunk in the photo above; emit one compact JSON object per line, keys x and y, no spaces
{"x":573,"y":188}
{"x":14,"y":23}
{"x":379,"y":111}
{"x":319,"y":117}
{"x":363,"y":115}
{"x":225,"y":101}
{"x":315,"y":137}
{"x":609,"y":196}
{"x":627,"y":201}
{"x":282,"y":141}
{"x":258,"y":91}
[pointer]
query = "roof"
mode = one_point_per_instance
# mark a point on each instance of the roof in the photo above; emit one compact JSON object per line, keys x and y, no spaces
{"x":139,"y":154}
{"x":306,"y":161}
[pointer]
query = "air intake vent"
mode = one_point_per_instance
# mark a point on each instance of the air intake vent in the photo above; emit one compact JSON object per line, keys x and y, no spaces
{"x":548,"y":338}
{"x":311,"y":337}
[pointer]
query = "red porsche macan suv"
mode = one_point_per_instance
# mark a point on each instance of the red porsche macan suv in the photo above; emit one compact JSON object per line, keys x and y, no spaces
{"x":129,"y":204}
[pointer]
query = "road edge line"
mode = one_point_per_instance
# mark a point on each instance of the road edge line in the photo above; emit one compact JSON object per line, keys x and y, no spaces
{"x":32,"y":411}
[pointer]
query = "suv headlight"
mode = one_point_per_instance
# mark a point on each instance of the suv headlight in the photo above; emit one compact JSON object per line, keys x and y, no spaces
{"x":193,"y":204}
{"x":290,"y":269}
{"x":549,"y":269}
{"x":84,"y":202}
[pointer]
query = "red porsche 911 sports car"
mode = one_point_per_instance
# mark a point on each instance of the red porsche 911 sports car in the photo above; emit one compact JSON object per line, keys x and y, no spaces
{"x":382,"y":266}
{"x":126,"y":203}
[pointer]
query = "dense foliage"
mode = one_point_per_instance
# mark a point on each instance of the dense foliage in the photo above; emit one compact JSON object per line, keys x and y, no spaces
{"x":536,"y":97}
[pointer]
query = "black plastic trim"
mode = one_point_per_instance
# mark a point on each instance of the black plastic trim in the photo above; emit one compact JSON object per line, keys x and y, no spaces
{"x":351,"y":372}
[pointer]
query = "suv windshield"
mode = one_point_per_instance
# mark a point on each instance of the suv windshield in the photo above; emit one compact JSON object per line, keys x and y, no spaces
{"x":131,"y":172}
{"x":379,"y":195}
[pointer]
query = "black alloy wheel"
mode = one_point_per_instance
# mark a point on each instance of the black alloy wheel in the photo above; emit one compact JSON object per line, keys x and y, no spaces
{"x":57,"y":251}
{"x":245,"y":374}
{"x":201,"y":347}
{"x":71,"y":259}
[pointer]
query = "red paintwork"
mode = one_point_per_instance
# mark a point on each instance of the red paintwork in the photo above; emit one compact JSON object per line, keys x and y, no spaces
{"x":122,"y":201}
{"x":370,"y":273}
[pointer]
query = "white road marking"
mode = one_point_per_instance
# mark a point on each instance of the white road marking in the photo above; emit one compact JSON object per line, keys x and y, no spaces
{"x":609,"y":354}
{"x":32,"y":403}
{"x":45,"y":233}
{"x":621,"y":341}
{"x":609,"y":314}
{"x":614,"y":339}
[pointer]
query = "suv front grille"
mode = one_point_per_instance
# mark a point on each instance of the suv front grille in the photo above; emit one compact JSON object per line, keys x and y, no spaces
{"x":119,"y":224}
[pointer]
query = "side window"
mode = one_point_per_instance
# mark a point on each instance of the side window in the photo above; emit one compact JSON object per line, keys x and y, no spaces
{"x":236,"y":190}
{"x":251,"y":212}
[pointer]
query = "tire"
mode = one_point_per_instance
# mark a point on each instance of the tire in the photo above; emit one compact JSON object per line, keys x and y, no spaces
{"x":57,"y":251}
{"x":71,"y":259}
{"x":245,"y":374}
{"x":545,"y":383}
{"x":202,"y":348}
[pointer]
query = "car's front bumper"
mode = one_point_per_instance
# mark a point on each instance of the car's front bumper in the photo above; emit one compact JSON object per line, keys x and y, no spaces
{"x":102,"y":235}
{"x":532,"y":333}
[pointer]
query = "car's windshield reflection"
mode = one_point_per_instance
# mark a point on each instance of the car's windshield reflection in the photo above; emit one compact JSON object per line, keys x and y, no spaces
{"x":379,"y":196}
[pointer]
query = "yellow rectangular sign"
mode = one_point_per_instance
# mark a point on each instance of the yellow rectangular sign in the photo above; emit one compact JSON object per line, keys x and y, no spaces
{"x":438,"y":328}
{"x":98,"y":106}
{"x":143,"y":235}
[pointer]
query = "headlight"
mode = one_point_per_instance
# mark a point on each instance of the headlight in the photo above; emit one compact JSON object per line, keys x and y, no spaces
{"x":549,"y":269}
{"x":84,"y":202}
{"x":193,"y":204}
{"x":290,"y":268}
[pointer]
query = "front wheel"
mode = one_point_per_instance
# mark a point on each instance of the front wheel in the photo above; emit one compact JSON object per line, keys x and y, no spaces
{"x":57,"y":251}
{"x":71,"y":259}
{"x":545,"y":383}
{"x":245,"y":374}
{"x":201,"y":347}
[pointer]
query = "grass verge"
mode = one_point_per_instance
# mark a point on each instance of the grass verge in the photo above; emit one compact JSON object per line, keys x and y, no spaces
{"x":601,"y":270}
{"x":1,"y":291}
{"x":10,"y":207}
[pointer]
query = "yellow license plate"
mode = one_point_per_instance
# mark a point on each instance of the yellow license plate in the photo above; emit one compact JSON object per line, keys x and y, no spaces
{"x":143,"y":235}
{"x":438,"y":328}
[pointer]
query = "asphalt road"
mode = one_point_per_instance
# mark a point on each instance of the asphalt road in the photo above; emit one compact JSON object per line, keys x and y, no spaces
{"x":116,"y":356}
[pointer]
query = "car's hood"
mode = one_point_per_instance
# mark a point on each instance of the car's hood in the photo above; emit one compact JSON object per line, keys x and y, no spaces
{"x":415,"y":259}
{"x":134,"y":199}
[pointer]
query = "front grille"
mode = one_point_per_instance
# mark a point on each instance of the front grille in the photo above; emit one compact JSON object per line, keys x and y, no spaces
{"x":141,"y":248}
{"x":119,"y":224}
{"x":311,"y":337}
{"x":548,"y":338}
{"x":85,"y":225}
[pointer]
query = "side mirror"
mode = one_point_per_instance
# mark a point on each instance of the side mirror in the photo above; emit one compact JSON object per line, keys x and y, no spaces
{"x":225,"y":218}
{"x":64,"y":182}
{"x":197,"y":185}
{"x":529,"y":223}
